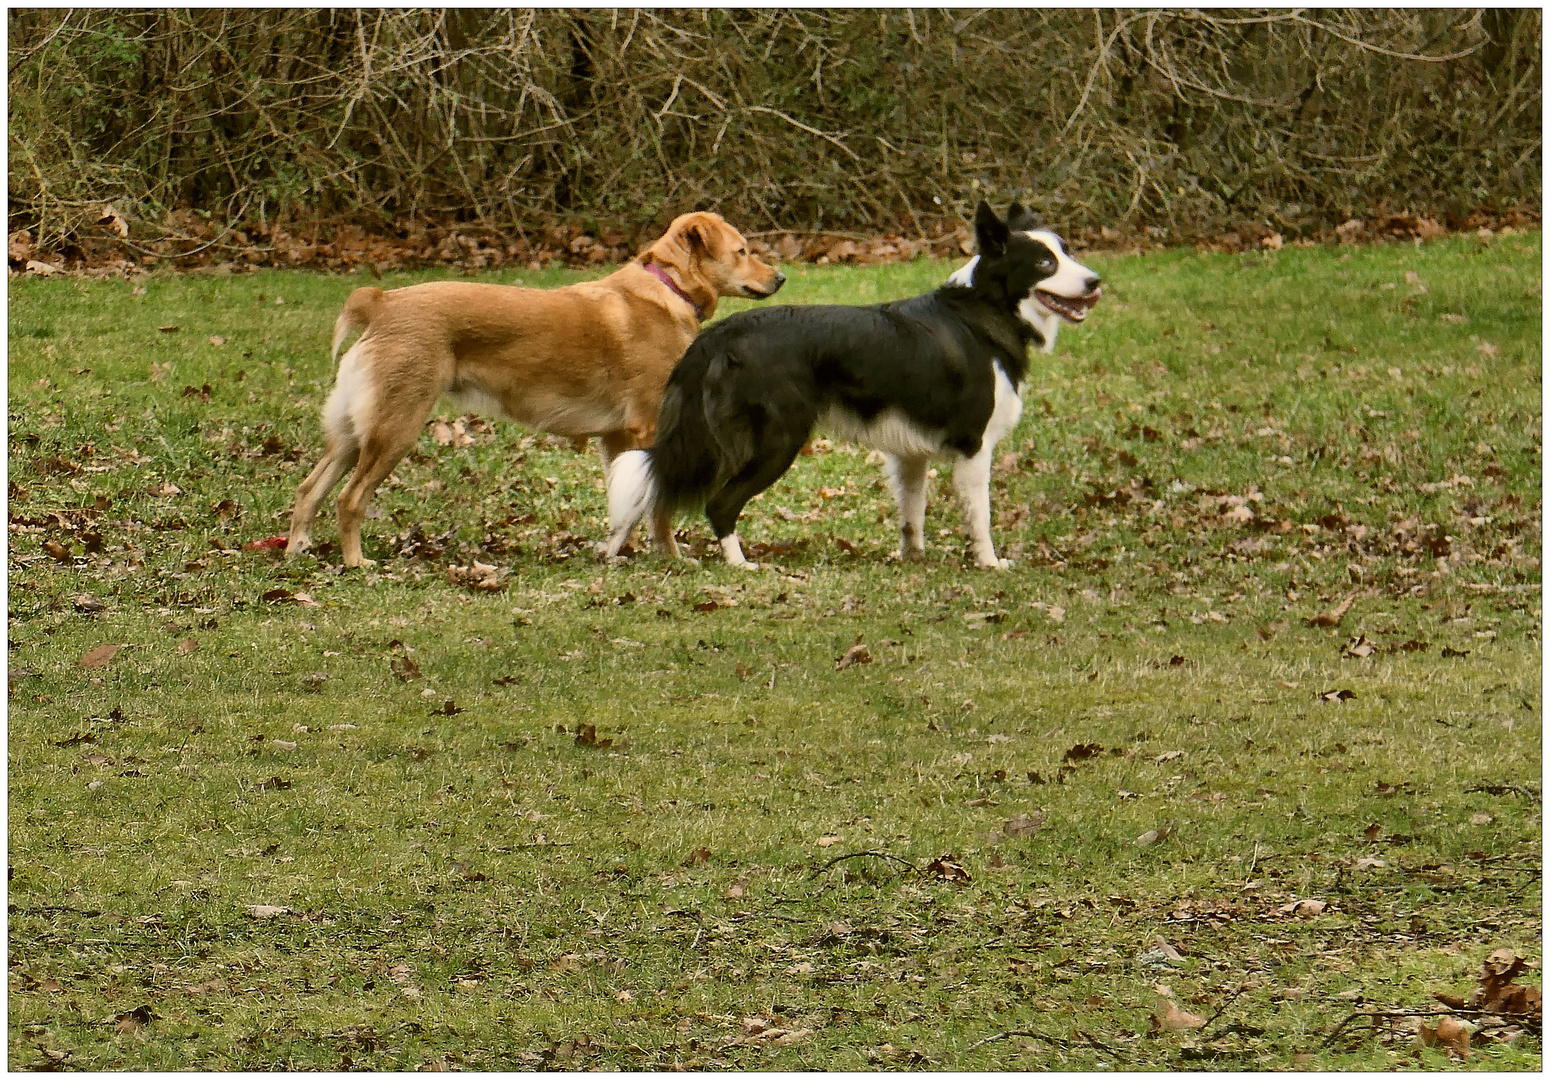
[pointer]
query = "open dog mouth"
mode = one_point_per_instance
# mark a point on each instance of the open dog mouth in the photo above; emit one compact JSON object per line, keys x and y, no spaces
{"x":1071,"y":308}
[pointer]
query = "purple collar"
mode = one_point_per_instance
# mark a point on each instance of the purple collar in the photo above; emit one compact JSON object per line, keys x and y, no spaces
{"x":661,"y":275}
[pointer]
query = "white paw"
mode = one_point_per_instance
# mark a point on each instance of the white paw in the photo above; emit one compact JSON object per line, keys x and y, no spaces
{"x":995,"y":564}
{"x":745,"y":565}
{"x":363,"y":564}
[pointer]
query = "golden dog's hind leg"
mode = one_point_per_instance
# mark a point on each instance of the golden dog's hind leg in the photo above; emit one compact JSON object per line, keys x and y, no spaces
{"x":382,"y":450}
{"x":339,"y":456}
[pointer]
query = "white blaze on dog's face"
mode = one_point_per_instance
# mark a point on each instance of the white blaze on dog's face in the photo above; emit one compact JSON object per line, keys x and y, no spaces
{"x":1046,"y":284}
{"x":1064,"y":288}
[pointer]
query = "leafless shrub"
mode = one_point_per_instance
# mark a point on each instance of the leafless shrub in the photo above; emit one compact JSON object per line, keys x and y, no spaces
{"x":192,"y":122}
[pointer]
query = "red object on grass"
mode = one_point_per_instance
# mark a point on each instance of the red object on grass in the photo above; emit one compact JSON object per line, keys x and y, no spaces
{"x":274,"y":543}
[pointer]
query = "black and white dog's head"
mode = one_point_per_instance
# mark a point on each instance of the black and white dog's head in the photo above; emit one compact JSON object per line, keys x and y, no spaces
{"x":1027,"y":268}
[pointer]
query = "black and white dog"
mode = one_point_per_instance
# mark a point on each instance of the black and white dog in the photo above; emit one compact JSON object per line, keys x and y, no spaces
{"x":938,"y":374}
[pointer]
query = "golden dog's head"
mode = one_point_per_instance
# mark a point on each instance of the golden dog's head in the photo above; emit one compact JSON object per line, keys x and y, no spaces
{"x":710,"y":259}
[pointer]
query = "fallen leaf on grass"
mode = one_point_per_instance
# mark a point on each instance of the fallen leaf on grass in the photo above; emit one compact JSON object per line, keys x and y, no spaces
{"x":267,"y":911}
{"x":186,"y":646}
{"x":829,"y":841}
{"x":479,"y":576}
{"x":1152,"y":836}
{"x":759,"y":1032}
{"x":1497,"y":993}
{"x":1303,"y":909}
{"x":1449,"y":652}
{"x":1170,"y":1017}
{"x":1333,"y":616}
{"x":947,"y":868}
{"x":1451,"y":1034}
{"x":1159,"y":952}
{"x":1083,"y":751}
{"x":447,"y":708}
{"x":856,"y":654}
{"x":1168,"y":755}
{"x":586,"y":735}
{"x":697,"y":856}
{"x":274,"y":783}
{"x":57,"y":551}
{"x":99,"y":657}
{"x":1024,"y":825}
{"x":135,"y":1019}
{"x":1373,"y":831}
{"x":406,"y":669}
{"x":1481,"y":818}
{"x":1359,"y":647}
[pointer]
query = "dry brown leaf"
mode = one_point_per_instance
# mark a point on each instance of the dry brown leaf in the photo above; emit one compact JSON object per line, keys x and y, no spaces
{"x":1172,"y":1018}
{"x":1024,"y":825}
{"x":948,"y":869}
{"x":856,"y":654}
{"x":115,"y":221}
{"x":186,"y":646}
{"x":1304,"y":909}
{"x":99,"y":657}
{"x":1333,"y":616}
{"x":1449,"y":1033}
{"x":135,"y":1019}
{"x":1498,"y":993}
{"x":267,"y":911}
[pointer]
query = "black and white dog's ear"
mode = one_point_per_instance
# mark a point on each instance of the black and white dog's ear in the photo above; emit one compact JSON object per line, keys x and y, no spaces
{"x":1020,"y":219}
{"x":990,"y":231}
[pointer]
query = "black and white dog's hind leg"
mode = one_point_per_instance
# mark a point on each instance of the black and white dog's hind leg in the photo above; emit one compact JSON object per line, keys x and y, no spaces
{"x":971,"y":475}
{"x":907,"y":476}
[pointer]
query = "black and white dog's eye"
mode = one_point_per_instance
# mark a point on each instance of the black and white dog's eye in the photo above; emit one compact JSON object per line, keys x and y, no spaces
{"x":1046,"y":264}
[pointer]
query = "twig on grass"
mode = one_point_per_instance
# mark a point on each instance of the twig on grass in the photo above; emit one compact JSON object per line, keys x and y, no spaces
{"x":1507,"y":789}
{"x":1221,"y":1008}
{"x":1019,"y":1033}
{"x":1399,"y":1014}
{"x":862,"y":855}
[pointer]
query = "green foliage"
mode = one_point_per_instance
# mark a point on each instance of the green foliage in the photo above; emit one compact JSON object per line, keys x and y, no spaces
{"x":469,"y":885}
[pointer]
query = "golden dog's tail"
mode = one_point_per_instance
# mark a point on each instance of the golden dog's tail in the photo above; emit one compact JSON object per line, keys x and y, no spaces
{"x":357,"y":313}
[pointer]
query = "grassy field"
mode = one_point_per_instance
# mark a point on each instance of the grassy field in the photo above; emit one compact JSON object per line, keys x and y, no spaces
{"x":620,"y":817}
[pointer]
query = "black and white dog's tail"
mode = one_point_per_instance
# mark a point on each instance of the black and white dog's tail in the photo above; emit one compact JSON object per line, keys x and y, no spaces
{"x":679,"y":471}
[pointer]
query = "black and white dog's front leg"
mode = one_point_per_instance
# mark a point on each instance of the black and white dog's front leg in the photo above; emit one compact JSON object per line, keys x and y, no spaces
{"x":971,"y":476}
{"x":971,"y":479}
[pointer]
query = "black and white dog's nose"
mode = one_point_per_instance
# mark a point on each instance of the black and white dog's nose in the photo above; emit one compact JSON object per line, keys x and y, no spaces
{"x":1093,"y":282}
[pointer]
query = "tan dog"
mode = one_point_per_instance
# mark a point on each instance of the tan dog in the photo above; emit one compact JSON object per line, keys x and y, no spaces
{"x":583,"y":360}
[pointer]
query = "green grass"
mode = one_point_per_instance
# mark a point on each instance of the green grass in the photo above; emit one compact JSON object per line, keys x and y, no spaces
{"x":470,"y":883}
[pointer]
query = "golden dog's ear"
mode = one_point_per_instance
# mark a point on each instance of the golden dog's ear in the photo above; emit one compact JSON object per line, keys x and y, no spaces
{"x":694,"y":240}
